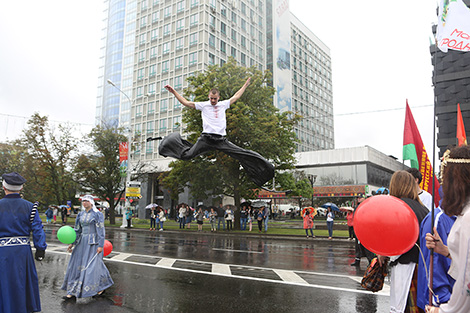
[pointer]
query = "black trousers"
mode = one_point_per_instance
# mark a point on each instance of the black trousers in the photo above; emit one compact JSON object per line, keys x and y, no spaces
{"x":258,"y":168}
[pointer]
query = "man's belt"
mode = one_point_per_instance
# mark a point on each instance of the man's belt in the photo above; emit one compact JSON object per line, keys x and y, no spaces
{"x":14,"y":241}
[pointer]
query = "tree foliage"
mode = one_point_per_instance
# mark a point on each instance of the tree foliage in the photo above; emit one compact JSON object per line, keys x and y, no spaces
{"x":98,"y":171}
{"x":253,"y":123}
{"x":47,"y":158}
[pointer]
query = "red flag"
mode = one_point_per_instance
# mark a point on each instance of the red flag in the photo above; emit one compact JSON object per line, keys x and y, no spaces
{"x":413,"y":150}
{"x":461,"y":136}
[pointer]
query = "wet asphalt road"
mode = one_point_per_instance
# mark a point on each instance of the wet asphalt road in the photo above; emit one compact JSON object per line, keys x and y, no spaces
{"x":188,"y":272}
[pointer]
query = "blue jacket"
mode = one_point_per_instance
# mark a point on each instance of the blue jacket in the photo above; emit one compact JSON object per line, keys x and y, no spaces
{"x":442,"y":282}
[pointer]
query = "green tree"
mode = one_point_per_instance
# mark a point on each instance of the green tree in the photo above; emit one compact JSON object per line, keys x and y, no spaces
{"x":252,"y":123}
{"x":97,"y":171}
{"x":48,"y":159}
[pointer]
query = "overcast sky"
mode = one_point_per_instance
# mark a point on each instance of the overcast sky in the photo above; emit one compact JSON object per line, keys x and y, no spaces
{"x":380,"y":55}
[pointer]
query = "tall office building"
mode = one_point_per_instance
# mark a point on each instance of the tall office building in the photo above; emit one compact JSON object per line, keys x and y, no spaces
{"x":150,"y":43}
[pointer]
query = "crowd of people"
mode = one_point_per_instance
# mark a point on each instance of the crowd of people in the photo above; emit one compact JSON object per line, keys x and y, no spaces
{"x":222,"y":217}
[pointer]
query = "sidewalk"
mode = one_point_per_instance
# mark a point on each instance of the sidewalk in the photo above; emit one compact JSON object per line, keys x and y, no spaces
{"x":290,"y":229}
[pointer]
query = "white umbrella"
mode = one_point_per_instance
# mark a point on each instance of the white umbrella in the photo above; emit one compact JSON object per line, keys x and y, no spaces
{"x":151,"y":205}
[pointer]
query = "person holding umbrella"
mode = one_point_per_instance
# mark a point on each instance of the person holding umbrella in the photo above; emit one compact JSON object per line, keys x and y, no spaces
{"x":330,"y":217}
{"x":308,"y":215}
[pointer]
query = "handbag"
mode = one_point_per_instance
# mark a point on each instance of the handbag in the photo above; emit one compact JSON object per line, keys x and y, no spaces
{"x":373,"y":279}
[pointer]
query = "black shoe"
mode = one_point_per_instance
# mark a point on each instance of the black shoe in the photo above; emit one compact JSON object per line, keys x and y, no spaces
{"x":72,"y":298}
{"x":99,"y":295}
{"x":356,"y":263}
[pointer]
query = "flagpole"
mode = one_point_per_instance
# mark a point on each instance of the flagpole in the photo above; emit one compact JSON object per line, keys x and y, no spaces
{"x":431,"y":255}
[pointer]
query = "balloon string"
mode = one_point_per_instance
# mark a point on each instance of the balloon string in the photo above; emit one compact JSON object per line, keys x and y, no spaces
{"x":90,"y":261}
{"x":427,"y":275}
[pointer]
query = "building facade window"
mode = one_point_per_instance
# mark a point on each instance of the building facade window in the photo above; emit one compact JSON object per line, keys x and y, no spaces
{"x":223,"y":46}
{"x":178,"y":82}
{"x":179,"y":43}
{"x":194,"y":19}
{"x":166,"y":29}
{"x":212,"y":40}
{"x":193,"y":38}
{"x":178,"y":62}
{"x":180,"y":6}
{"x":180,"y":24}
{"x":165,"y":66}
{"x":166,"y":48}
{"x":211,"y":59}
{"x":167,"y":11}
{"x":193,"y":58}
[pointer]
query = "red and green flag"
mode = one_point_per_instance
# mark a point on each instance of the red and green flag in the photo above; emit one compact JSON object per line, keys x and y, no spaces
{"x":414,"y":150}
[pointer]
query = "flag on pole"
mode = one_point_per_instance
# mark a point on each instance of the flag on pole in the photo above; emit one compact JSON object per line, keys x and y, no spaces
{"x":414,"y":150}
{"x":453,"y":26}
{"x":461,"y":136}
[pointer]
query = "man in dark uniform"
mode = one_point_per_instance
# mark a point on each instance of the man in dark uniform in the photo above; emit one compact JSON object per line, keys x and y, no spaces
{"x":19,"y":287}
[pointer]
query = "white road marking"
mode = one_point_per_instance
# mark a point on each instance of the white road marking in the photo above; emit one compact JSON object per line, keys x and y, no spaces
{"x":290,"y":276}
{"x":223,"y":270}
{"x":166,"y":262}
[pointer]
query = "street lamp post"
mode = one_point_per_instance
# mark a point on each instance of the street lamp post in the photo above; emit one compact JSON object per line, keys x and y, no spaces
{"x":129,"y":140}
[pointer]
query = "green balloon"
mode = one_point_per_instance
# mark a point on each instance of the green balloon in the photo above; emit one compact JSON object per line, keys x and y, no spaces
{"x":66,"y":234}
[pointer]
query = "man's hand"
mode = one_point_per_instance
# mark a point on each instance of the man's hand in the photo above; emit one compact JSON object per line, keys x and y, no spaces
{"x":70,"y":248}
{"x":435,"y":242}
{"x":99,"y":250}
{"x":170,"y":89}
{"x":39,"y":255}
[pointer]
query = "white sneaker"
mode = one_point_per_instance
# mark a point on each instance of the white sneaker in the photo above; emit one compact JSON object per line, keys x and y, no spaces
{"x":161,"y":229}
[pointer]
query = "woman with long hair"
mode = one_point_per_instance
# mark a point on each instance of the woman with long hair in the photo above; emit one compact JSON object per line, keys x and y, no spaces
{"x":455,"y":174}
{"x":402,"y":267}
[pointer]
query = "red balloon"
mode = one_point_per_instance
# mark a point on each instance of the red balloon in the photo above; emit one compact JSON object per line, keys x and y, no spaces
{"x":386,"y":225}
{"x":107,"y":248}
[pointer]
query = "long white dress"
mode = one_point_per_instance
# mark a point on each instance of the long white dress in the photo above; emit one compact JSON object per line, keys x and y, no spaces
{"x":459,"y":248}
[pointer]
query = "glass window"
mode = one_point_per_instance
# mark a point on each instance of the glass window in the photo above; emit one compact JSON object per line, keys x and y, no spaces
{"x":194,"y":19}
{"x":152,"y":70}
{"x":178,"y":62}
{"x":164,"y":83}
{"x":155,"y":16}
{"x":154,"y":34}
{"x":243,"y":41}
{"x":165,"y":66}
{"x":212,"y":20}
{"x":164,"y":105}
{"x":194,"y":3}
{"x":156,"y":2}
{"x":193,"y":58}
{"x":234,"y":17}
{"x":149,"y":146}
{"x":193,"y":38}
{"x":142,"y":56}
{"x":180,"y":6}
{"x":150,"y":107}
{"x":163,"y":120}
{"x":211,"y":59}
{"x":166,"y":29}
{"x":138,"y":108}
{"x":223,"y":28}
{"x":243,"y":24}
{"x":234,"y":35}
{"x":243,"y":58}
{"x":211,"y":40}
{"x":176,"y":121}
{"x":140,"y":73}
{"x":234,"y":52}
{"x":223,"y":46}
{"x":153,"y":52}
{"x":180,"y":24}
{"x":212,"y":3}
{"x":167,"y":11}
{"x":143,"y":21}
{"x":179,"y":43}
{"x":166,"y":47}
{"x":178,"y":82}
{"x":143,"y":38}
{"x":223,"y":10}
{"x":149,"y":127}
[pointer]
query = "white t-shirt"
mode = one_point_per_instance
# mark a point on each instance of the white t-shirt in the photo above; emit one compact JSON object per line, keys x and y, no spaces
{"x":213,"y":116}
{"x":426,"y":198}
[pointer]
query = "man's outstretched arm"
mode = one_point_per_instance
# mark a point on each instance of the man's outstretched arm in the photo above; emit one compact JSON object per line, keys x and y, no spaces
{"x":180,"y":98}
{"x":240,"y":92}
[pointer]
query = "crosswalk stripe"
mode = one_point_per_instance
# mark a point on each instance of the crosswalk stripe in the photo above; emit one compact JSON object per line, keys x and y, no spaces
{"x":165,"y":262}
{"x":221,"y":269}
{"x":290,"y":276}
